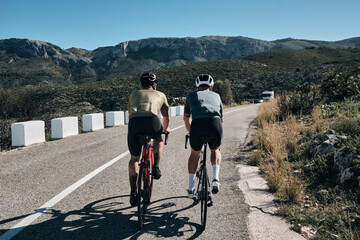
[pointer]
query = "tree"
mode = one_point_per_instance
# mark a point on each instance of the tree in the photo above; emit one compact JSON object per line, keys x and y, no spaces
{"x":223,"y":88}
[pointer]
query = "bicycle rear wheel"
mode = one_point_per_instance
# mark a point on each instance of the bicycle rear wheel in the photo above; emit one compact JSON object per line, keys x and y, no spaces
{"x":151,"y":176}
{"x":142,"y":201}
{"x":204,"y":197}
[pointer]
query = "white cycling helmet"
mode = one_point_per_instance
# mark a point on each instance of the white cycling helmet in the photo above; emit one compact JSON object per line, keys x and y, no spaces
{"x":204,"y":79}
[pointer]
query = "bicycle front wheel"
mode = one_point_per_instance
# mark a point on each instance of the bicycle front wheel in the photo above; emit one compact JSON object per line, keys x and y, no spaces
{"x":204,"y":197}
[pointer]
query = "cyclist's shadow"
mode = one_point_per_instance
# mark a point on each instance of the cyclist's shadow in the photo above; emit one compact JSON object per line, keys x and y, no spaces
{"x":111,"y":218}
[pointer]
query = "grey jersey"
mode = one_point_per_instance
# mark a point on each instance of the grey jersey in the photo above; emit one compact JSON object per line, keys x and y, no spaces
{"x":203,"y":104}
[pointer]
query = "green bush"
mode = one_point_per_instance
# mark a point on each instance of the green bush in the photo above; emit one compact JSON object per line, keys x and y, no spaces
{"x":341,"y":86}
{"x":301,"y":101}
{"x":347,"y":126}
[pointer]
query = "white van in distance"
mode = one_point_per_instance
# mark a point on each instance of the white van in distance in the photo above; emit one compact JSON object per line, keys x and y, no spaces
{"x":268,"y":95}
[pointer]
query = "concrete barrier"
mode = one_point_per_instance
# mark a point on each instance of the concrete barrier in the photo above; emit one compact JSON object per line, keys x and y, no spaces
{"x":64,"y":127}
{"x":27,"y":133}
{"x":92,"y":122}
{"x":126,"y":117}
{"x":179,"y":110}
{"x":115,"y":118}
{"x":172,"y":111}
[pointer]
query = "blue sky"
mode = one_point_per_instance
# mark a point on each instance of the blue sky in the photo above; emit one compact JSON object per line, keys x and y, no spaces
{"x":90,"y":24}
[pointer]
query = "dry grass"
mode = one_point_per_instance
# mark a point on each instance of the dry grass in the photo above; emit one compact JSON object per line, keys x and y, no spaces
{"x":317,"y":118}
{"x":291,"y":133}
{"x":268,"y":112}
{"x":277,"y":140}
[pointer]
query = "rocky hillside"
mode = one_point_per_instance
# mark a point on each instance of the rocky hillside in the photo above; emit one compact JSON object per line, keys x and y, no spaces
{"x":28,"y":62}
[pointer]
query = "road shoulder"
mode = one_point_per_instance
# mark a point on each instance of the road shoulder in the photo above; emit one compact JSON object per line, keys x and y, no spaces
{"x":262,"y":221}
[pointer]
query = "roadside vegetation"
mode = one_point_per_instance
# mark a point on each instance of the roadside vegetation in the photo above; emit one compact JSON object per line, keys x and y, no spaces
{"x":308,"y":148}
{"x":237,"y":80}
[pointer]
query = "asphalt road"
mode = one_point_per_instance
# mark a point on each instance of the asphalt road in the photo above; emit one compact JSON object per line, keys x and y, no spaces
{"x":46,"y":191}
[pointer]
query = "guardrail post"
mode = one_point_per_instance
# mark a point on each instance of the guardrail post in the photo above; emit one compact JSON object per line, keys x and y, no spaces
{"x":27,"y":133}
{"x":93,"y":121}
{"x":64,"y":127}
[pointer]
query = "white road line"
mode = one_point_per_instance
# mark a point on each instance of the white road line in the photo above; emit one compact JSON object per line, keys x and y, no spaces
{"x":174,"y":129}
{"x":37,"y":213}
{"x":243,"y":108}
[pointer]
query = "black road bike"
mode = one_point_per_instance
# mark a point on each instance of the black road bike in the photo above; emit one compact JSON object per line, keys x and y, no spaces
{"x":203,"y":191}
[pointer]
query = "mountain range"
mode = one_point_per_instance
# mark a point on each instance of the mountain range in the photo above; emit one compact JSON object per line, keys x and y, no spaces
{"x":30,"y":62}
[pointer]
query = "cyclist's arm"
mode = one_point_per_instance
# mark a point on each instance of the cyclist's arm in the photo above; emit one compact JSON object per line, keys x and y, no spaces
{"x":166,"y":121}
{"x":187,"y":121}
{"x":222,"y":119}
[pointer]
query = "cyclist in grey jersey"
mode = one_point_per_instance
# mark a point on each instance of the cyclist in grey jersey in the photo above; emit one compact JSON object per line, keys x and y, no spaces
{"x":206,"y":110}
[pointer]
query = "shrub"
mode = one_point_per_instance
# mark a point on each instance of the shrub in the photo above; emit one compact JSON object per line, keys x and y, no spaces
{"x":301,"y":101}
{"x":347,"y":126}
{"x":341,"y":86}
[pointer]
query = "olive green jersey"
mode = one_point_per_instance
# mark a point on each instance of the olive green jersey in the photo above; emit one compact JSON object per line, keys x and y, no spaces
{"x":148,"y":102}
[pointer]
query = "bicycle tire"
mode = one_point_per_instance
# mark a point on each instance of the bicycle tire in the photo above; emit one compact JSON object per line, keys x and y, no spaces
{"x":151,"y":176}
{"x":204,"y":197}
{"x":141,"y":203}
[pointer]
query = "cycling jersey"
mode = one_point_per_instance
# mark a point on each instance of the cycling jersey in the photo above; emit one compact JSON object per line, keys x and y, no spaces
{"x":206,"y":109}
{"x":148,"y":102}
{"x":144,"y":107}
{"x":203,"y":104}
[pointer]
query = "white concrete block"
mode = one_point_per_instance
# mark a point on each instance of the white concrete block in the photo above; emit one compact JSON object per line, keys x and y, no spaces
{"x":26,"y":133}
{"x":64,"y":127}
{"x":126,"y":117}
{"x":172,"y":111}
{"x":179,"y":110}
{"x":93,"y":121}
{"x":115,"y":118}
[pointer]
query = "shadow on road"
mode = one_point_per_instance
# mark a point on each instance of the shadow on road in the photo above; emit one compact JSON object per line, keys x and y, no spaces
{"x":110,"y":219}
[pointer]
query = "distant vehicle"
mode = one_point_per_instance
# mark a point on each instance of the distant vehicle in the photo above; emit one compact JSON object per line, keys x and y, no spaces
{"x":268,"y":95}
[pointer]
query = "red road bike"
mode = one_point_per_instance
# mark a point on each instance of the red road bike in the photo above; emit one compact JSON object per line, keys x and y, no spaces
{"x":145,"y":179}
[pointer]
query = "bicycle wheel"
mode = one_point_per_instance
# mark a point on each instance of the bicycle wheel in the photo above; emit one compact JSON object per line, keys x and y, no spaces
{"x":150,"y":176}
{"x":141,"y":201}
{"x":204,"y":197}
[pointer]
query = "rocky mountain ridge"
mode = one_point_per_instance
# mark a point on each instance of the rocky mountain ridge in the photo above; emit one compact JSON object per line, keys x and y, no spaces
{"x":76,"y":65}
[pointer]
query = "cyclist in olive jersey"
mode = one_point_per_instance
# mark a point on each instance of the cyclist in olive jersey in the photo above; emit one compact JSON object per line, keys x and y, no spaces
{"x":144,"y":107}
{"x":206,"y":110}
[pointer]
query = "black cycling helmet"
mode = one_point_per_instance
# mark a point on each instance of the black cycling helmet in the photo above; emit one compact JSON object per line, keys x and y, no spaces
{"x":148,"y":77}
{"x":204,"y":79}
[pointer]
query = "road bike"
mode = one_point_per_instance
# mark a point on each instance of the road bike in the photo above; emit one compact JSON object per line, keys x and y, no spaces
{"x":203,"y":191}
{"x":145,"y":178}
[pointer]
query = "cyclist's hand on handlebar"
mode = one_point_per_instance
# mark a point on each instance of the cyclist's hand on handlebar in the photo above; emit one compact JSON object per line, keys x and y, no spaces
{"x":167,"y":130}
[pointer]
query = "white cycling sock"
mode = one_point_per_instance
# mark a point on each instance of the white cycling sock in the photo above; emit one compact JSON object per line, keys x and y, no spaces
{"x":191,"y":181}
{"x":216,"y":171}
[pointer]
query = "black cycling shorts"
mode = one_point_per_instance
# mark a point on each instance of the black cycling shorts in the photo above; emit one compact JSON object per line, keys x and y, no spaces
{"x":206,"y":127}
{"x":142,"y":125}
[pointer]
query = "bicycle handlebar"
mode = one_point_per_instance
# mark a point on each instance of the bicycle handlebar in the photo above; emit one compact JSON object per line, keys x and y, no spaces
{"x":187,"y":136}
{"x":166,"y":137}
